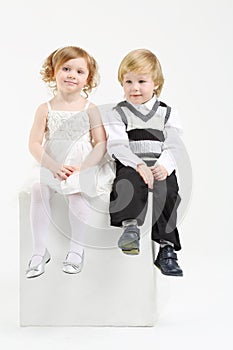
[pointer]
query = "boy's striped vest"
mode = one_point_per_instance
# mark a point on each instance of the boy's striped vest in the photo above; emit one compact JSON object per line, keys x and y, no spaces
{"x":145,"y":132}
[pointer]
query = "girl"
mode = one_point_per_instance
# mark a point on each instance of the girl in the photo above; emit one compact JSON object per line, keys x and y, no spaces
{"x":71,"y":158}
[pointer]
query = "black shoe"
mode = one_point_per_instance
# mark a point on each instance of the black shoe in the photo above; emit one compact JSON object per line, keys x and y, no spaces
{"x":129,"y":241}
{"x":166,"y":261}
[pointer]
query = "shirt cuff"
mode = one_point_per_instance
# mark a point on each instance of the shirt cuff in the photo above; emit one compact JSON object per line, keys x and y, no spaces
{"x":167,"y":161}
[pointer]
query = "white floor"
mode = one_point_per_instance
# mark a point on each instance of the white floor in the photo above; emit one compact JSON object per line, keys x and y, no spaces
{"x":196,"y":315}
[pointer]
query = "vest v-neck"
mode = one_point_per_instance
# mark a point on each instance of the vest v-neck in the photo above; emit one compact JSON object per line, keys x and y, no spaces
{"x":140,"y":115}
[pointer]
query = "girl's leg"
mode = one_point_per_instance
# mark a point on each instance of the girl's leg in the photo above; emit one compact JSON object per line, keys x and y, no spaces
{"x":40,"y":212}
{"x":79,"y":214}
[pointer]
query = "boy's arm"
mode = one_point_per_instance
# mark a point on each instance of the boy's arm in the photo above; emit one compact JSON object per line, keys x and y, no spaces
{"x":118,"y":142}
{"x":173,"y":146}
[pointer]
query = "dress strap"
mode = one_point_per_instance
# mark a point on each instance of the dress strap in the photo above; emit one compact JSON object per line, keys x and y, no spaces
{"x":87,"y":105}
{"x":49,"y":106}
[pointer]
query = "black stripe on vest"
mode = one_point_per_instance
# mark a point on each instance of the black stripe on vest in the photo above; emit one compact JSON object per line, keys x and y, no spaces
{"x":145,"y":134}
{"x":148,"y":155}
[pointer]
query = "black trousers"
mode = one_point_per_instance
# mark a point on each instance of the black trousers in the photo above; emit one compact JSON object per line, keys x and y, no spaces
{"x":129,"y":200}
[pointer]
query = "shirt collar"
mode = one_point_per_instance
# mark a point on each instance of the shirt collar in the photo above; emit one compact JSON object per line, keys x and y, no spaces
{"x":146,"y":106}
{"x":149,"y":104}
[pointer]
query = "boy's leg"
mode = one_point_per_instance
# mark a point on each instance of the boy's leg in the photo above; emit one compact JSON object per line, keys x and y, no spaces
{"x":128,"y":206}
{"x":164,"y":231}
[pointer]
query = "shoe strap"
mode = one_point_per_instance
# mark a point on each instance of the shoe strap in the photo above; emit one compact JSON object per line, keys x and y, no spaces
{"x":75,"y":266}
{"x":132,"y":229}
{"x":70,"y":263}
{"x":73,"y":252}
{"x":164,"y":254}
{"x":42,"y":256}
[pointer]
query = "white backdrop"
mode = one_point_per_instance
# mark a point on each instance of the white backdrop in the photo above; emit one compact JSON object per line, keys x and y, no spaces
{"x":193,"y":41}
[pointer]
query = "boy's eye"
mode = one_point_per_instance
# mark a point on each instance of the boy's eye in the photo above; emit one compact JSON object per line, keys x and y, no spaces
{"x":142,"y":81}
{"x":128,"y":81}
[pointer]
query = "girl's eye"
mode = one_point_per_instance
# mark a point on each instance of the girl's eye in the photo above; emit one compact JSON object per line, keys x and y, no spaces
{"x":65,"y":69}
{"x":142,"y":81}
{"x":80,"y":72}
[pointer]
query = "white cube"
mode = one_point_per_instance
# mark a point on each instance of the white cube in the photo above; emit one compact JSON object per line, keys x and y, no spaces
{"x":113,"y":289}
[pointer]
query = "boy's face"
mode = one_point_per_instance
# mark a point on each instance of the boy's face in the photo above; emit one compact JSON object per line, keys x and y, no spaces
{"x":138,"y":88}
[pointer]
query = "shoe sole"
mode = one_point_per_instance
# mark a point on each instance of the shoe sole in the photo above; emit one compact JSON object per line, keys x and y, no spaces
{"x":129,"y":248}
{"x":168,"y":274}
{"x":130,"y":252}
{"x":71,"y":273}
{"x":30,"y":277}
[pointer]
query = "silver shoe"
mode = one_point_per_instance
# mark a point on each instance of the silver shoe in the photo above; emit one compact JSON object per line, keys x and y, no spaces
{"x":37,"y":270}
{"x":70,"y":267}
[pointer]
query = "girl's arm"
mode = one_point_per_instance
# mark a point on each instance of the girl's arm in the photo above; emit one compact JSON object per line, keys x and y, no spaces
{"x":98,"y":137}
{"x":36,"y":138}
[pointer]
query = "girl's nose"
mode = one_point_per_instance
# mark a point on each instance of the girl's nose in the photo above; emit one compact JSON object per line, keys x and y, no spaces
{"x":71,"y":75}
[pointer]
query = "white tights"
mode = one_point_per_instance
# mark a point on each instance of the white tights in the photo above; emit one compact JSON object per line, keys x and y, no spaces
{"x":40,"y":213}
{"x":79,"y":214}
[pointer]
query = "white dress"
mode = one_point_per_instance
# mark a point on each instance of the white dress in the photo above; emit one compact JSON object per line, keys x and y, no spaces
{"x":68,"y":141}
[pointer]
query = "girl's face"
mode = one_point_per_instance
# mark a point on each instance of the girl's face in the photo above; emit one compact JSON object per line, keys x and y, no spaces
{"x":72,"y":75}
{"x":138,"y":88}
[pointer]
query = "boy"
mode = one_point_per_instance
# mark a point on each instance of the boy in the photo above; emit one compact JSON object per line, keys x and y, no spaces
{"x":144,"y":140}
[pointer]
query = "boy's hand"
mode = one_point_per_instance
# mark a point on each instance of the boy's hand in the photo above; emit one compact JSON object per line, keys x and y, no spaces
{"x":159,"y":172}
{"x":146,"y":174}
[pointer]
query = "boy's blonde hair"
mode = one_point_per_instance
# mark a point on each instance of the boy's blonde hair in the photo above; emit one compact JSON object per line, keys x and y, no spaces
{"x":144,"y":62}
{"x":57,"y":58}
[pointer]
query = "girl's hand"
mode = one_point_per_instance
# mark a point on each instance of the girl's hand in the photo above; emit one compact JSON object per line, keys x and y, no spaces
{"x":77,"y":167}
{"x":64,"y":171}
{"x":159,"y":172}
{"x":146,"y":174}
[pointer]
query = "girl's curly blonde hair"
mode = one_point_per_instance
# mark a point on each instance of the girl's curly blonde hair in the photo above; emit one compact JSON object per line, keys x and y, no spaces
{"x":144,"y":62}
{"x":57,"y":58}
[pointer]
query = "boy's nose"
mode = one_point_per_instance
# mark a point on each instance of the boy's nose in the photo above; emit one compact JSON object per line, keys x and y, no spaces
{"x":135,"y":86}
